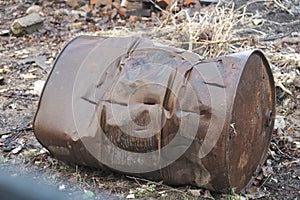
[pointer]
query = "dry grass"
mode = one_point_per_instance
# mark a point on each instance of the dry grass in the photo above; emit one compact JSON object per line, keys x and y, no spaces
{"x":219,"y":30}
{"x":213,"y":31}
{"x":209,"y":32}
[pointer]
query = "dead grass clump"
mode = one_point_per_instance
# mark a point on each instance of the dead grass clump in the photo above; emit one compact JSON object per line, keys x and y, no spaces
{"x":209,"y":32}
{"x":218,"y":30}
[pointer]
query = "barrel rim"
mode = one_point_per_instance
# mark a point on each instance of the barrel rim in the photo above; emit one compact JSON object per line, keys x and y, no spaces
{"x":248,"y":55}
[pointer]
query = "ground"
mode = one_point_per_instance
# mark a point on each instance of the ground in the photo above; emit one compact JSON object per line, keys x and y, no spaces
{"x":272,"y":26}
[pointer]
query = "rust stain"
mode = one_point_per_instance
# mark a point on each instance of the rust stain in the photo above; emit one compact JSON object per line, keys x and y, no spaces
{"x":243,"y":160}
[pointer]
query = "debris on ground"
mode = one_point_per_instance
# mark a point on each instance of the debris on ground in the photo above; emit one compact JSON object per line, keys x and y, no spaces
{"x":27,"y":24}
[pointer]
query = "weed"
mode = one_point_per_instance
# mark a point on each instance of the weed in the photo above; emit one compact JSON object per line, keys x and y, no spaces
{"x":233,"y":196}
{"x":2,"y":160}
{"x":88,"y":195}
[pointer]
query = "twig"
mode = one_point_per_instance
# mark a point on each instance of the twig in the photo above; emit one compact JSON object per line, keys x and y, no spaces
{"x":207,"y":42}
{"x":37,"y":60}
{"x":279,"y":84}
{"x":135,"y":179}
{"x":18,"y":129}
{"x":18,"y":96}
{"x":293,"y":23}
{"x":158,"y":7}
{"x":252,"y":2}
{"x":265,"y":181}
{"x":156,"y":183}
{"x":275,"y":37}
{"x":264,"y":1}
{"x":290,"y":40}
{"x":272,"y":187}
{"x":272,"y":22}
{"x":285,"y":154}
{"x":283,"y":7}
{"x":191,"y":39}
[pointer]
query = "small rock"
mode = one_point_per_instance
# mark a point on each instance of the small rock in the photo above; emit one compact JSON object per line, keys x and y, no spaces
{"x":76,"y":25}
{"x":76,"y":3}
{"x":1,"y":80}
{"x":34,"y":9}
{"x":279,"y":122}
{"x":195,"y":193}
{"x":297,"y":144}
{"x":62,"y":187}
{"x":103,"y":3}
{"x":72,"y":3}
{"x":27,"y":24}
{"x":61,"y":12}
{"x":130,"y":196}
{"x":5,"y":136}
{"x":12,"y":106}
{"x":44,"y":150}
{"x":257,"y":22}
{"x":38,"y":87}
{"x":269,"y":162}
{"x":17,"y":150}
{"x":27,"y":76}
{"x":4,"y":32}
{"x":79,"y":13}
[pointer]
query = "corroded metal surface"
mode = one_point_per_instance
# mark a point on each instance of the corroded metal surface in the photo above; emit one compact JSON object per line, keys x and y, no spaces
{"x":134,"y":106}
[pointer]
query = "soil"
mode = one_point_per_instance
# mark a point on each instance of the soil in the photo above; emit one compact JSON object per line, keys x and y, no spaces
{"x":29,"y":58}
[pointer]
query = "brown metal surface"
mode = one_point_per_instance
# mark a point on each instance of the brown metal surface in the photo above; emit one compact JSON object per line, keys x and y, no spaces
{"x":129,"y":104}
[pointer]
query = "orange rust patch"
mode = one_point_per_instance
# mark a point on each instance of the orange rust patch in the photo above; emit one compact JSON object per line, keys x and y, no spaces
{"x":243,"y":160}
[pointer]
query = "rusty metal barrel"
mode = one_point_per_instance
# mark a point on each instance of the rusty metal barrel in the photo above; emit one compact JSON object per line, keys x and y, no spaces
{"x":134,"y":106}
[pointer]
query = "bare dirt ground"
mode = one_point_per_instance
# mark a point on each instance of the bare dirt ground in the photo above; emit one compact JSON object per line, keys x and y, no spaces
{"x":272,"y":26}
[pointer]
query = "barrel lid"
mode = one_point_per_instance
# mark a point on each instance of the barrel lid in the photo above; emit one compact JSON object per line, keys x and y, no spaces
{"x":252,"y":120}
